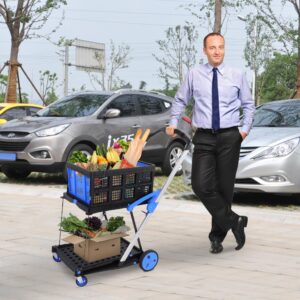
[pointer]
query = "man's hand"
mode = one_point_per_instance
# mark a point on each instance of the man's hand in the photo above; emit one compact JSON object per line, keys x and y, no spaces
{"x":170,"y":130}
{"x":243,"y":134}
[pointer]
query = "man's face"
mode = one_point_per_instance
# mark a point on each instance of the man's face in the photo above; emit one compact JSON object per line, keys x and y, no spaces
{"x":214,"y":50}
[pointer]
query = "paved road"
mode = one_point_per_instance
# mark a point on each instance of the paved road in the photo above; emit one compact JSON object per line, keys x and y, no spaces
{"x":267,"y":268}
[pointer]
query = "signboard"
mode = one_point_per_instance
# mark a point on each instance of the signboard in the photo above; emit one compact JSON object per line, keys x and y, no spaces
{"x":89,"y":56}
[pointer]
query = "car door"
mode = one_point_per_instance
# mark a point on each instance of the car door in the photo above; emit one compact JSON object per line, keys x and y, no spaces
{"x":154,"y":115}
{"x":126,"y":125}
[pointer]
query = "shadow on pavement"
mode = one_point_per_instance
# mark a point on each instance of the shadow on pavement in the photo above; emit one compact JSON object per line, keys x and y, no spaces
{"x":36,"y":179}
{"x":263,"y":199}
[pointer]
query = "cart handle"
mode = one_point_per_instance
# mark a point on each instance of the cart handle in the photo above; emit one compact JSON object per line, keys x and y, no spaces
{"x":151,"y":198}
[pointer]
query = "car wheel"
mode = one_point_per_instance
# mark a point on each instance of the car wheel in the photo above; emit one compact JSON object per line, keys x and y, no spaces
{"x":15,"y":173}
{"x":86,"y":149}
{"x":173,"y":153}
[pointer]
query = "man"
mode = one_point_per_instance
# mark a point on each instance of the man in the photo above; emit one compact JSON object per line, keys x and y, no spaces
{"x":219,"y":92}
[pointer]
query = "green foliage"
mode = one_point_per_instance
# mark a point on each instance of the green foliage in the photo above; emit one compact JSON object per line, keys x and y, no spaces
{"x":72,"y":224}
{"x":177,"y":53}
{"x":3,"y":83}
{"x":48,"y":84}
{"x":78,"y":156}
{"x":278,"y":79}
{"x":114,"y":223}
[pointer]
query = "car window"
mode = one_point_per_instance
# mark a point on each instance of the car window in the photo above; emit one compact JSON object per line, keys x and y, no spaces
{"x":150,"y":105}
{"x":284,"y":114}
{"x":126,"y":104}
{"x":33,"y":110}
{"x":14,"y":113}
{"x":75,"y":106}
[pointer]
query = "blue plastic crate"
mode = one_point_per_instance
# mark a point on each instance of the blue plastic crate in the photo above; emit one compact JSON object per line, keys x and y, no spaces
{"x":109,"y":189}
{"x":79,"y":185}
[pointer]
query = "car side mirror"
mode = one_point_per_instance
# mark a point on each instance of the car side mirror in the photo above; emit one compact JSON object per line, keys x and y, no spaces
{"x":112,"y":113}
{"x":2,"y":121}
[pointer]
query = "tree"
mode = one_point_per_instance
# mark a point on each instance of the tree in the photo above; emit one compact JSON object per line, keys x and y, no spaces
{"x":24,"y":18}
{"x":285,"y":29}
{"x":177,"y":53}
{"x":277,"y":81}
{"x":258,"y":48}
{"x":48,"y":84}
{"x":213,"y":13}
{"x":118,"y":60}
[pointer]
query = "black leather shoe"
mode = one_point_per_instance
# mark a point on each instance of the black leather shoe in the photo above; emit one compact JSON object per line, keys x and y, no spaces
{"x":239,"y":232}
{"x":215,"y":247}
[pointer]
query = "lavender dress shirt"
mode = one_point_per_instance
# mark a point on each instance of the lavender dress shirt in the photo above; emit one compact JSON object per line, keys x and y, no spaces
{"x":234,"y":93}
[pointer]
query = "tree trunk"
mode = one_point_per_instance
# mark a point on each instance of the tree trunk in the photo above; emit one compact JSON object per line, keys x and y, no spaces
{"x":218,"y":16}
{"x":296,"y":94}
{"x":11,"y":90}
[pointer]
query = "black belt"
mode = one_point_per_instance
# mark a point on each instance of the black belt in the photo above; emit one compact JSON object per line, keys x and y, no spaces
{"x":214,"y":131}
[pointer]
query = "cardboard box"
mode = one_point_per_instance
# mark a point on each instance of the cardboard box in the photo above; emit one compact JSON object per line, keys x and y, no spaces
{"x":97,"y":248}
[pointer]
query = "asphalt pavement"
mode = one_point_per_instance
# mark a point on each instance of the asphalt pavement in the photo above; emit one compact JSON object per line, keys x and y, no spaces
{"x":268,"y":267}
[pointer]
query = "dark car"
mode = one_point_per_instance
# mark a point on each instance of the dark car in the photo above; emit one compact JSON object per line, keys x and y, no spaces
{"x":43,"y":143}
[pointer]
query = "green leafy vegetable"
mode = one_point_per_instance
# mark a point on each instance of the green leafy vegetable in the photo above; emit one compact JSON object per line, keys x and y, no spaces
{"x":78,"y":156}
{"x":124,"y":144}
{"x":114,"y":223}
{"x":72,"y":224}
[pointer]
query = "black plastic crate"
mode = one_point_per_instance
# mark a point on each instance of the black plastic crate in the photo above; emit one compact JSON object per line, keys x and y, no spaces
{"x":109,"y":189}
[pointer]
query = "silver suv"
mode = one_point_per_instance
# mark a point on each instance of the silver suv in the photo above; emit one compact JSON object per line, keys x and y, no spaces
{"x":43,"y":143}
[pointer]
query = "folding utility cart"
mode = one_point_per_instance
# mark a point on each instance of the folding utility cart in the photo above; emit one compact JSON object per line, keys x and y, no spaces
{"x":102,"y":191}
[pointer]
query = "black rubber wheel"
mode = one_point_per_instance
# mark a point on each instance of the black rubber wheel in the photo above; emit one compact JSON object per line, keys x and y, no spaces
{"x":173,"y":153}
{"x":88,"y":150}
{"x":15,"y":173}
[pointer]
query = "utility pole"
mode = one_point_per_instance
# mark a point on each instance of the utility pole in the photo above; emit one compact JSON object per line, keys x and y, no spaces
{"x":66,"y":68}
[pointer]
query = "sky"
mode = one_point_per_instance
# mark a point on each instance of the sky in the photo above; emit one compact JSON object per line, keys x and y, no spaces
{"x":137,"y":23}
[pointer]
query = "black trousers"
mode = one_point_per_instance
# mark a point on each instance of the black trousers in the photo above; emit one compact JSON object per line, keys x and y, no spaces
{"x":215,"y":161}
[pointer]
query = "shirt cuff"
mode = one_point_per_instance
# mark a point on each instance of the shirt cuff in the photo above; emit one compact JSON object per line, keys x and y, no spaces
{"x":246,"y":129}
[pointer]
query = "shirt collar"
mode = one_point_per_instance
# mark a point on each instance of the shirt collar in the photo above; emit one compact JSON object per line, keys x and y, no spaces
{"x":220,"y":68}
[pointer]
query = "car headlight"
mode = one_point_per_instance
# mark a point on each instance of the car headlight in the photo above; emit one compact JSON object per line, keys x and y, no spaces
{"x":52,"y":130}
{"x":279,"y":150}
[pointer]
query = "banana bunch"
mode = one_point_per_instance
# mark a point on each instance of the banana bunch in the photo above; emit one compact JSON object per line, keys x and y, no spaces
{"x":112,"y":156}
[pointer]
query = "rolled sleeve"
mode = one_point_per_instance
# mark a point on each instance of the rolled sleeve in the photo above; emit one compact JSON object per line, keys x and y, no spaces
{"x":181,"y":99}
{"x":248,"y":105}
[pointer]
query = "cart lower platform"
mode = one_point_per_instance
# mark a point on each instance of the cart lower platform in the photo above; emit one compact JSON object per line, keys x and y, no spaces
{"x":79,"y":266}
{"x":147,"y":260}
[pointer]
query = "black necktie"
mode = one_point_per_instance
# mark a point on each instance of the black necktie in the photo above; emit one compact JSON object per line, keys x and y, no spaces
{"x":215,"y":101}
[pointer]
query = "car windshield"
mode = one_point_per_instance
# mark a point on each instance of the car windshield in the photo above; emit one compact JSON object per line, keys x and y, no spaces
{"x":283,"y":114}
{"x":74,"y":106}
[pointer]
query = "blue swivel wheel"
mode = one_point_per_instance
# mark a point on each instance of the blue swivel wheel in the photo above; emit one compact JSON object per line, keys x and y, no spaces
{"x":81,"y":281}
{"x":148,"y":260}
{"x":56,"y":258}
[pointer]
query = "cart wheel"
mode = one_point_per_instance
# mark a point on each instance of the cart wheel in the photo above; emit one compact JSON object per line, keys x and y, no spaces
{"x":148,"y":260}
{"x":81,"y":281}
{"x":56,"y":258}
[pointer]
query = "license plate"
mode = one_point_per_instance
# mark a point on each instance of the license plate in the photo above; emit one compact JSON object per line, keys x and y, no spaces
{"x":8,"y":156}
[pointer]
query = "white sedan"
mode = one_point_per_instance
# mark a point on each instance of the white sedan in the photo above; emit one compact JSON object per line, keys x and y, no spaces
{"x":270,"y":155}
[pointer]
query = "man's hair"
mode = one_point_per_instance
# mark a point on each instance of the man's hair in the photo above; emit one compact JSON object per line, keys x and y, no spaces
{"x":211,"y":34}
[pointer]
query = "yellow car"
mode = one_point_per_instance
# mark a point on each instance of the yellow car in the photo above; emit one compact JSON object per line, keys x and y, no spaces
{"x":9,"y":111}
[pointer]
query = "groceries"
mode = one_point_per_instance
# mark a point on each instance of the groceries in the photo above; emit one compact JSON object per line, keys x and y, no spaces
{"x":94,"y":239}
{"x":121,"y":155}
{"x":92,"y":227}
